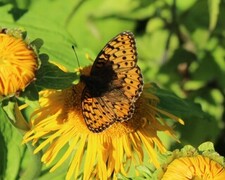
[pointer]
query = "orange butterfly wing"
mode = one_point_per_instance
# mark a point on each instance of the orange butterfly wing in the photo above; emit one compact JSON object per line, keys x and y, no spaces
{"x":114,"y":84}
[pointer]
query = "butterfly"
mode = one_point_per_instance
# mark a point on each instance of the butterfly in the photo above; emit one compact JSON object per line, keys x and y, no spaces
{"x":114,"y":84}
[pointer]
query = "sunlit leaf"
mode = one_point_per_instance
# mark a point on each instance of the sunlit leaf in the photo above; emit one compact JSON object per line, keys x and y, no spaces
{"x":213,"y":13}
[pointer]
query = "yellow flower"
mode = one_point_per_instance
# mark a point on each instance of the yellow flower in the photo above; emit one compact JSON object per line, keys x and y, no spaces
{"x":190,"y":164}
{"x":18,"y":62}
{"x":102,"y":155}
{"x":198,"y":167}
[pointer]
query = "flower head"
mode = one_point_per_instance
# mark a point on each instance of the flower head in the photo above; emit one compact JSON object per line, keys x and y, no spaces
{"x":189,"y":163}
{"x":104,"y":154}
{"x":18,"y":62}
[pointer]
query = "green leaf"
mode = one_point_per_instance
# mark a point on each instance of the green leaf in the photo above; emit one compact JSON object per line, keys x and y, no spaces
{"x":214,"y":6}
{"x":14,"y":115}
{"x":52,"y":77}
{"x":33,"y":169}
{"x":3,"y":154}
{"x":207,"y":146}
{"x":8,"y":106}
{"x":12,"y":151}
{"x":196,"y":121}
{"x":180,"y":107}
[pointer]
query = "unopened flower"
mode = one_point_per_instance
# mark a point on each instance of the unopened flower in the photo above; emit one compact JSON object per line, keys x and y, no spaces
{"x":18,"y":62}
{"x":189,"y":163}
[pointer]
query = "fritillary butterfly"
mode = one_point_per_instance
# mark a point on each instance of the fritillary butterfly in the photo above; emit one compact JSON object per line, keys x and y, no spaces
{"x":114,"y":84}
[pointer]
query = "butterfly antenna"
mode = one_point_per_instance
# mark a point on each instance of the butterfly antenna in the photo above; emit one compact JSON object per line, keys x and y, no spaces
{"x":79,"y":68}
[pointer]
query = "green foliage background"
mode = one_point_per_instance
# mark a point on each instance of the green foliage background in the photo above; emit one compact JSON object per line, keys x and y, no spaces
{"x":180,"y":45}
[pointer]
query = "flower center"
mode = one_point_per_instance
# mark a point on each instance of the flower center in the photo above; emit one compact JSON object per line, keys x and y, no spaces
{"x":137,"y":121}
{"x":117,"y":129}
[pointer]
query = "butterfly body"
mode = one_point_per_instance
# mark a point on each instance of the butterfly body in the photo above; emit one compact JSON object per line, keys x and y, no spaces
{"x":114,"y":84}
{"x":99,"y":82}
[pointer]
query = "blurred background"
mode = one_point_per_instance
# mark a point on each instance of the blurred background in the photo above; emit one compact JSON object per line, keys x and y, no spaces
{"x":180,"y":46}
